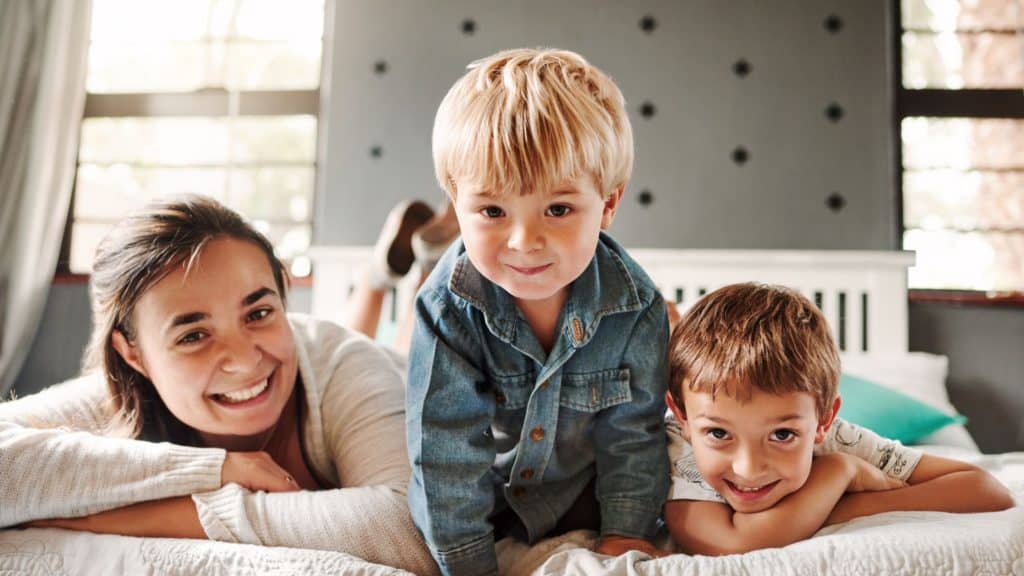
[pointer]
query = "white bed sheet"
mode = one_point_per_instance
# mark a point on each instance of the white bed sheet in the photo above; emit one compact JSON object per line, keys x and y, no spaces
{"x":892,"y":543}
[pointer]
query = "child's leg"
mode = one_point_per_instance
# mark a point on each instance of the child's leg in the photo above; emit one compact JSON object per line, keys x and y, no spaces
{"x":362,"y":311}
{"x":392,"y":259}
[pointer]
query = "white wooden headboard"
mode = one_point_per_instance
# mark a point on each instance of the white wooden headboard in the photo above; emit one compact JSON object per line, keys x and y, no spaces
{"x":862,"y":293}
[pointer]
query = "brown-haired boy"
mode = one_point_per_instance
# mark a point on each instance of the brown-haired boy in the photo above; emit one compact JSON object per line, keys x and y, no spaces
{"x":759,"y":458}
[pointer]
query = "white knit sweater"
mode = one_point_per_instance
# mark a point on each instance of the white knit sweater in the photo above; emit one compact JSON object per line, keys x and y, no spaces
{"x":53,"y":463}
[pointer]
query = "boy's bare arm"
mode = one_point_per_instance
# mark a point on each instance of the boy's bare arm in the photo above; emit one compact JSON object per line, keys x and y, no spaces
{"x":937,"y":484}
{"x":713,"y":528}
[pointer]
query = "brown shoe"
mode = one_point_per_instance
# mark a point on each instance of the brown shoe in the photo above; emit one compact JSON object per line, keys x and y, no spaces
{"x":432,"y":239}
{"x":392,"y":254}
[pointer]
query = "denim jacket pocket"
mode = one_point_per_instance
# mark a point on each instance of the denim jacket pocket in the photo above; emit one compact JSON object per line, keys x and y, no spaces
{"x":595,"y":391}
{"x":512,"y":392}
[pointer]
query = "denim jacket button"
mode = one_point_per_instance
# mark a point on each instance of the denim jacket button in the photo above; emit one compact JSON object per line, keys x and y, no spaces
{"x":537,"y":434}
{"x":526,"y":474}
{"x":519,"y":491}
{"x":544,"y":384}
{"x":499,"y":397}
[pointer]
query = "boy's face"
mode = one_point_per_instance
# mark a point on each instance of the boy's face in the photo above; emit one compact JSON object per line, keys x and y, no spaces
{"x":533,"y":245}
{"x":753,"y":453}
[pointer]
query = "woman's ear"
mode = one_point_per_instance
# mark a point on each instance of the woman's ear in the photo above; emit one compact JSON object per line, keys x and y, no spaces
{"x":128,"y":352}
{"x":679,"y":414}
{"x":611,"y":204}
{"x":826,"y":423}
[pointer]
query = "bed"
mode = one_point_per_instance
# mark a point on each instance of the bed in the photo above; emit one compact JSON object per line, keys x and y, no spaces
{"x":862,"y":293}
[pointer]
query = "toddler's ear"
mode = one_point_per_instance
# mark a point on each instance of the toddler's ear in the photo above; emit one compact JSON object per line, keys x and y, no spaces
{"x":611,"y":204}
{"x":826,"y":423}
{"x":679,"y":414}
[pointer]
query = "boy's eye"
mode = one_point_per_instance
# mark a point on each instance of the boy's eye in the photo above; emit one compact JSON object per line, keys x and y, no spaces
{"x":558,"y":210}
{"x":783,"y":435}
{"x":259,"y":314}
{"x":717,"y":433}
{"x":492,"y":212}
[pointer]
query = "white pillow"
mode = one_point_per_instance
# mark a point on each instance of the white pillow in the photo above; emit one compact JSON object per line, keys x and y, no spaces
{"x":921,"y":376}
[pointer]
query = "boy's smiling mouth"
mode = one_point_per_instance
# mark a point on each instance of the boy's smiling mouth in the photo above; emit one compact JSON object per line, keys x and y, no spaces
{"x":752,"y":492}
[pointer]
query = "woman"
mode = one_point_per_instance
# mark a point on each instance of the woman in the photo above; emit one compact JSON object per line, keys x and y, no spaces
{"x":206,"y":412}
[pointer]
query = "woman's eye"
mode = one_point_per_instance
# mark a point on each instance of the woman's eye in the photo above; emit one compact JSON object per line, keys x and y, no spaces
{"x":783,"y":435}
{"x":191,"y":338}
{"x":559,"y":210}
{"x":492,"y":212}
{"x":259,"y":314}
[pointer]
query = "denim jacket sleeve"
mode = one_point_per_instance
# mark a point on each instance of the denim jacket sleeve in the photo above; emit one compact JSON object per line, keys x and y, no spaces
{"x":449,"y":415}
{"x":632,"y":461}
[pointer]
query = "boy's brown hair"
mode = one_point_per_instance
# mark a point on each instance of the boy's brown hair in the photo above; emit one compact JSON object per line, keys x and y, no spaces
{"x":745,"y":336}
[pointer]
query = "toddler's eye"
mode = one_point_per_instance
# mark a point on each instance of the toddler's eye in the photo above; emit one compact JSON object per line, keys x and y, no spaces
{"x":493,"y":212}
{"x":783,"y":435}
{"x":558,"y":210}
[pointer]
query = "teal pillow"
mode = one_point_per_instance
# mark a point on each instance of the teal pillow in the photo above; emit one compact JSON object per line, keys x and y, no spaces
{"x":890,"y":413}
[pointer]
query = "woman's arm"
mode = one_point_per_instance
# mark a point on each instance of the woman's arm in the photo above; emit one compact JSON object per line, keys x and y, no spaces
{"x":937,"y":484}
{"x":54,"y":469}
{"x":714,"y":528}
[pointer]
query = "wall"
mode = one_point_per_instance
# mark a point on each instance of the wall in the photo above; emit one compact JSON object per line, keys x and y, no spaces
{"x":394,"y":60}
{"x":986,"y":372}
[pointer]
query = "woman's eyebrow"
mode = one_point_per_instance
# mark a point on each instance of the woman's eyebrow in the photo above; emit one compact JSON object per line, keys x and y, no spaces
{"x":256,"y":295}
{"x":186,"y":318}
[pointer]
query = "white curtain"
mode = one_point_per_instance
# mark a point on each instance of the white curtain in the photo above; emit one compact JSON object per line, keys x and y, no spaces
{"x":43,"y":47}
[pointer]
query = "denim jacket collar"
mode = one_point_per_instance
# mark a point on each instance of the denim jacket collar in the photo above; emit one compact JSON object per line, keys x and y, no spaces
{"x":605,"y":287}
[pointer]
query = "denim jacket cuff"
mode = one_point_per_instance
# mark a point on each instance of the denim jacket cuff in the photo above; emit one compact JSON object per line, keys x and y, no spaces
{"x":630,"y":518}
{"x":475,"y":558}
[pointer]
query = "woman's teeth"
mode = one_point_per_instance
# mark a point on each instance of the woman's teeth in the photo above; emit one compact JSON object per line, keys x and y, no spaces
{"x":243,"y":395}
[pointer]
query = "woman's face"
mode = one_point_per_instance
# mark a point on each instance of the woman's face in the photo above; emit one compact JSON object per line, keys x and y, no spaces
{"x":215,"y":341}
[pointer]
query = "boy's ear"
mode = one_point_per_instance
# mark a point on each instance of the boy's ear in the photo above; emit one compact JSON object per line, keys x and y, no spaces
{"x":826,"y":423}
{"x":128,"y":352}
{"x":679,"y":414}
{"x":611,"y":204}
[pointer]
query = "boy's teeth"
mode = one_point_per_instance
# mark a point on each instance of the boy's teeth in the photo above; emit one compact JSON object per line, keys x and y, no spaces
{"x":246,"y":394}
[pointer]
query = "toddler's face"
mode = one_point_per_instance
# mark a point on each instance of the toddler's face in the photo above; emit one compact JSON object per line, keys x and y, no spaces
{"x":753,"y":453}
{"x":533,"y":245}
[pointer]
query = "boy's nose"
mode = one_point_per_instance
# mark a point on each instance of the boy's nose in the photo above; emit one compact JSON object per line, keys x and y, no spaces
{"x":748,"y":464}
{"x":525,"y":237}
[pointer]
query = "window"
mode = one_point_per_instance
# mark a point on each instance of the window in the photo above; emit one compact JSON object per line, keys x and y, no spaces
{"x":960,"y":108}
{"x":217,"y":97}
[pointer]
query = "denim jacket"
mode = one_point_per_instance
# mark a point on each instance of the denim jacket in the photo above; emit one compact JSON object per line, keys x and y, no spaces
{"x":493,"y":421}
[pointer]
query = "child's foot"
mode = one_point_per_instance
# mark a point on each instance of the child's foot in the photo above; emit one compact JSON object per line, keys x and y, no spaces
{"x":393,"y":255}
{"x":431,"y":240}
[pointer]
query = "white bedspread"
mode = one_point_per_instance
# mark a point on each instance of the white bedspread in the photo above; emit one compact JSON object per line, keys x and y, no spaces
{"x":894,"y":543}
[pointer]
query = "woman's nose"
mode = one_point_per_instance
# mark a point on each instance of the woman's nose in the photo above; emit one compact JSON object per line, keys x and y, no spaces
{"x":240,"y":354}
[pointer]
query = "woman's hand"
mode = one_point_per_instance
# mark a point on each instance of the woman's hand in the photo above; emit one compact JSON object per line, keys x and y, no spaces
{"x":256,"y":471}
